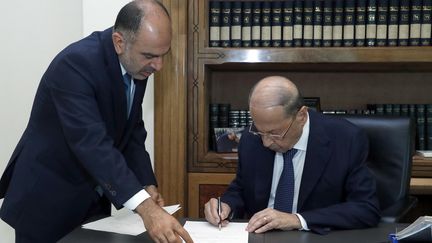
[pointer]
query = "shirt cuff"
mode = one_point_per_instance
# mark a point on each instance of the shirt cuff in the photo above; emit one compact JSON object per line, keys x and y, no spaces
{"x":302,"y":222}
{"x":138,"y":198}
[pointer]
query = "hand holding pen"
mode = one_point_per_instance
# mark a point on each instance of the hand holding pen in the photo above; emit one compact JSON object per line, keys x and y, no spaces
{"x":216,"y":212}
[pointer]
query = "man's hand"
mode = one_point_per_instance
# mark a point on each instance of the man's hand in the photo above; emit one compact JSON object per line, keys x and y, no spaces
{"x":270,"y":218}
{"x":155,"y":195}
{"x":161,"y":226}
{"x":211,"y":212}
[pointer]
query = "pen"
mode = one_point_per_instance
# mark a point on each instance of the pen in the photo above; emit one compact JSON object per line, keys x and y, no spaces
{"x":219,"y":213}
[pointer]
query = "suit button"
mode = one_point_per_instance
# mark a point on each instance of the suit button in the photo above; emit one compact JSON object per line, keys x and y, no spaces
{"x":113,"y":193}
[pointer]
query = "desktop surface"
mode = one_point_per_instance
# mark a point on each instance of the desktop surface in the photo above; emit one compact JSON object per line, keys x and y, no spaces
{"x":372,"y":235}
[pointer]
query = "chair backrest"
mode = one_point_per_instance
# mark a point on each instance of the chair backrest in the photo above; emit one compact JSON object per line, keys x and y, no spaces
{"x":391,"y":147}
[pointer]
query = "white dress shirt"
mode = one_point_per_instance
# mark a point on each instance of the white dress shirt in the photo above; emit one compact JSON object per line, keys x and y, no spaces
{"x":298,"y":164}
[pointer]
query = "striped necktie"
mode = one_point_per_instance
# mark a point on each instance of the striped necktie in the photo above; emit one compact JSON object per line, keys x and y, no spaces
{"x":285,"y":189}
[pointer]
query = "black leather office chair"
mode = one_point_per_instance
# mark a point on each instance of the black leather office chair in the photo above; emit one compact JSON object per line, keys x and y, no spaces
{"x":391,"y":147}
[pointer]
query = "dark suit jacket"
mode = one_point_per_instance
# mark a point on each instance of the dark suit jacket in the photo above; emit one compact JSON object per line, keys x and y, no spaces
{"x":78,"y":136}
{"x":337,"y":190}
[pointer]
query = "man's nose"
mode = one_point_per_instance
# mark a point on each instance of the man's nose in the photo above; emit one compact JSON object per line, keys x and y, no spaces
{"x":156,"y":63}
{"x":266,"y":141}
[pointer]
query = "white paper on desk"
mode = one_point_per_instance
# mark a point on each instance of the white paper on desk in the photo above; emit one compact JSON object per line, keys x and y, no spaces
{"x":124,"y":222}
{"x":204,"y":232}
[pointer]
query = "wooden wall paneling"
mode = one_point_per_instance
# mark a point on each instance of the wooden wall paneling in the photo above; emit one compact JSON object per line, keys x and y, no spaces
{"x":203,"y":186}
{"x":170,"y":112}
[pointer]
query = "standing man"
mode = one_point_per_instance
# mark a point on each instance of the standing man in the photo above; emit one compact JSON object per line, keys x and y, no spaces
{"x":297,"y":168}
{"x":84,"y":144}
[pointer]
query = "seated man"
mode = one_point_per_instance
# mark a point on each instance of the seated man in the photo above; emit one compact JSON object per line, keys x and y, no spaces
{"x":298,"y":169}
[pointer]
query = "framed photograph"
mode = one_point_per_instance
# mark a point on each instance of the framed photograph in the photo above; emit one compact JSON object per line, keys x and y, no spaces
{"x":313,"y":103}
{"x":227,"y":139}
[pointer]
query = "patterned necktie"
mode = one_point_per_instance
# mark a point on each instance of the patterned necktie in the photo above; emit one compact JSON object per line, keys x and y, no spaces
{"x":127,"y":81}
{"x":285,"y":189}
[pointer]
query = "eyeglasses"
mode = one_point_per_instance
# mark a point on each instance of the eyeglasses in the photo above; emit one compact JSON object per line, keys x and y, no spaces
{"x":253,"y":130}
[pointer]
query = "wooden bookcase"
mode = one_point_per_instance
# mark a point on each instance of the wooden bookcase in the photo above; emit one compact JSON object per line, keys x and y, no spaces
{"x":343,"y":78}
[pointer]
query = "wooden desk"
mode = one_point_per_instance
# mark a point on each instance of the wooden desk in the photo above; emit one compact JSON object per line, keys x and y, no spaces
{"x":372,"y":235}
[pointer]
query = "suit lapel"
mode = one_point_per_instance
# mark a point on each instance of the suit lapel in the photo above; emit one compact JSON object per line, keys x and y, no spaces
{"x":317,"y":157}
{"x":264,"y":163}
{"x":117,"y":87}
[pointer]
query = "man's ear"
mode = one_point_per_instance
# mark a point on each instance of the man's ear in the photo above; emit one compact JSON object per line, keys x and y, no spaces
{"x":119,"y":42}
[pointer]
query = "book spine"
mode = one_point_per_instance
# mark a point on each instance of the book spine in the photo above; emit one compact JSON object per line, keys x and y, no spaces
{"x":287,"y":23}
{"x":318,"y":23}
{"x":388,"y":109}
{"x":276,"y":26}
{"x":382,"y":12}
{"x":360,"y":23}
{"x":226,"y":24}
{"x":338,"y":22}
{"x":246,"y":24}
{"x":404,"y":110}
{"x":393,"y":26}
{"x":236,"y":26}
{"x":298,"y":23}
{"x":266,"y":24}
{"x":429,"y":126}
{"x":348,"y":28}
{"x":396,"y":110}
{"x":425,"y":36}
{"x":256,"y":24}
{"x":421,"y":127}
{"x":308,"y":23}
{"x":328,"y":23}
{"x":403,"y":23}
{"x":415,"y":22}
{"x":371,"y":23}
{"x":215,"y":23}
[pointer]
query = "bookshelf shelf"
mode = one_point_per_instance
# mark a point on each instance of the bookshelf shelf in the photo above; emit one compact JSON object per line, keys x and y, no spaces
{"x":326,"y":55}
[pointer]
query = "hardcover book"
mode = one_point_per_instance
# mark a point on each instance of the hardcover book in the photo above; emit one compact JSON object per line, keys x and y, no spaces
{"x":403,"y":22}
{"x":360,"y":23}
{"x":317,"y":23}
{"x":256,"y":24}
{"x":246,"y":24}
{"x":348,"y":28}
{"x":298,"y":23}
{"x":393,"y":23}
{"x":382,"y":11}
{"x":371,"y":23}
{"x":236,"y":22}
{"x":276,"y":24}
{"x":214,"y":20}
{"x":226,"y":24}
{"x":425,"y":36}
{"x":415,"y":22}
{"x":307,"y":23}
{"x":338,"y":22}
{"x":266,"y":24}
{"x":287,"y":23}
{"x":328,"y":23}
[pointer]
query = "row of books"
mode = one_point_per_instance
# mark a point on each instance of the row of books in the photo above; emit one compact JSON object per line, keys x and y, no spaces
{"x":319,"y":23}
{"x":420,"y":113}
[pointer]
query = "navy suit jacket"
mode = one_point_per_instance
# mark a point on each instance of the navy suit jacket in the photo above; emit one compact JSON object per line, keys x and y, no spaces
{"x":78,"y":136}
{"x":337,"y":190}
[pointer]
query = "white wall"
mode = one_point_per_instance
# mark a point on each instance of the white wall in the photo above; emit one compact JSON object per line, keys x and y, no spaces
{"x":32,"y":34}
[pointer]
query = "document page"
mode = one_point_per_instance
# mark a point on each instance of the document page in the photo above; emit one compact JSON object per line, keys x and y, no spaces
{"x":204,"y":232}
{"x":124,"y":222}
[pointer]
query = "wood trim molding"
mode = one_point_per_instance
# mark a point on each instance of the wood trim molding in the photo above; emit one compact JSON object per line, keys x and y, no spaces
{"x":170,"y":112}
{"x":195,"y":179}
